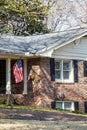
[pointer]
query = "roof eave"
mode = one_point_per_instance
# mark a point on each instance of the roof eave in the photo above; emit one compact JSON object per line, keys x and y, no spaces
{"x":42,"y":53}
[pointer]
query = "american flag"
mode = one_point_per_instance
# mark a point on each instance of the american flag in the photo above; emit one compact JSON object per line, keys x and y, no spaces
{"x":18,"y":71}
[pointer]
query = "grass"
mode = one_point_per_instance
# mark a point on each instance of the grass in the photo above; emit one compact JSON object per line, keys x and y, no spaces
{"x":2,"y":106}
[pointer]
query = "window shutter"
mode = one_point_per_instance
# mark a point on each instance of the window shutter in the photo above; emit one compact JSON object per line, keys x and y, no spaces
{"x":85,"y":106}
{"x":76,"y":105}
{"x":52,"y":69}
{"x":75,"y":63}
{"x":53,"y":104}
{"x":85,"y":68}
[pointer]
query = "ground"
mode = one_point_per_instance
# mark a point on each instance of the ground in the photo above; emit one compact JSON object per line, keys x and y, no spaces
{"x":23,"y":119}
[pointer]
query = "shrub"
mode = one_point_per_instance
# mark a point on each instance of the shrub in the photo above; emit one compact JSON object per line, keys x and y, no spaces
{"x":3,"y":100}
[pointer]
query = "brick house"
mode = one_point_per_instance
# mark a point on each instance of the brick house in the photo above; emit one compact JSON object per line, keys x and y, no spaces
{"x":55,"y":69}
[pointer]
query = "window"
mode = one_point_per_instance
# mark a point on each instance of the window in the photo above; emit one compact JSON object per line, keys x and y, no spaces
{"x":63,"y":71}
{"x":65,"y":105}
{"x":59,"y":105}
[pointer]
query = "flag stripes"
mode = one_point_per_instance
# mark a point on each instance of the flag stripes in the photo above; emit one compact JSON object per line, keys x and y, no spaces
{"x":18,"y":71}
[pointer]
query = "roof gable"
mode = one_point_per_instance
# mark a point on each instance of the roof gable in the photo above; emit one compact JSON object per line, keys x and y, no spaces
{"x":39,"y":44}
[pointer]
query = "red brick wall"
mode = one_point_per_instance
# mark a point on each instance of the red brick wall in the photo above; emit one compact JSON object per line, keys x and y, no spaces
{"x":43,"y":90}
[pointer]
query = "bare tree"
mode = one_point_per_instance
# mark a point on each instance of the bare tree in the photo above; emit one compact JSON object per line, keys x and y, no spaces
{"x":67,"y":14}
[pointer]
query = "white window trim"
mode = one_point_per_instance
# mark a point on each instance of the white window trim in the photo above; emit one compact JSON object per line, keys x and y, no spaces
{"x":71,"y":76}
{"x":63,"y":102}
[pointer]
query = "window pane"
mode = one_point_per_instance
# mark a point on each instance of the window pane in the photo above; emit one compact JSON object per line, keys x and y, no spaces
{"x":67,"y":105}
{"x":66,"y":74}
{"x":59,"y":105}
{"x":57,"y":65}
{"x":57,"y":75}
{"x":66,"y":65}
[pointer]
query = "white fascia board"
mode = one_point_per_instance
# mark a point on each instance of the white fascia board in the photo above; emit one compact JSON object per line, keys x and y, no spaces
{"x":28,"y":54}
{"x":47,"y":53}
{"x":69,"y":57}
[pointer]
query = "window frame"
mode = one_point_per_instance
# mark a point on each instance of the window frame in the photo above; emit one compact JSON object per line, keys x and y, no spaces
{"x":71,"y":73}
{"x":72,"y":108}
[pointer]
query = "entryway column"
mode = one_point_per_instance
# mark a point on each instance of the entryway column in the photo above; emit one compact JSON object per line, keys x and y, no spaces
{"x":25,"y":77}
{"x":8,"y":76}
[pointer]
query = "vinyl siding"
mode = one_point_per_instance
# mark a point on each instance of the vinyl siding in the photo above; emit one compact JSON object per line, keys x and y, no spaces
{"x":75,"y":50}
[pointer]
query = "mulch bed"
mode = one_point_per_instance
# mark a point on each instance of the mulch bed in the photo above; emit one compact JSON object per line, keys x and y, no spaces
{"x":24,"y":114}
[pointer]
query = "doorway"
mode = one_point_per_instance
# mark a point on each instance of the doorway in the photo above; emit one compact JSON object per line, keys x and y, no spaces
{"x":2,"y":76}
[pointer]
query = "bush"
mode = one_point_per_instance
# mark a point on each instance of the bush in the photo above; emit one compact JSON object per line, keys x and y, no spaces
{"x":77,"y":112}
{"x":3,"y":100}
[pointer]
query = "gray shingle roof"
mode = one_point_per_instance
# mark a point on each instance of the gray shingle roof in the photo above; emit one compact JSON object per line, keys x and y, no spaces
{"x":38,"y":44}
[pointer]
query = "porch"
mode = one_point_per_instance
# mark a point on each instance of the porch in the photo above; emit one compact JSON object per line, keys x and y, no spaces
{"x":7,"y":84}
